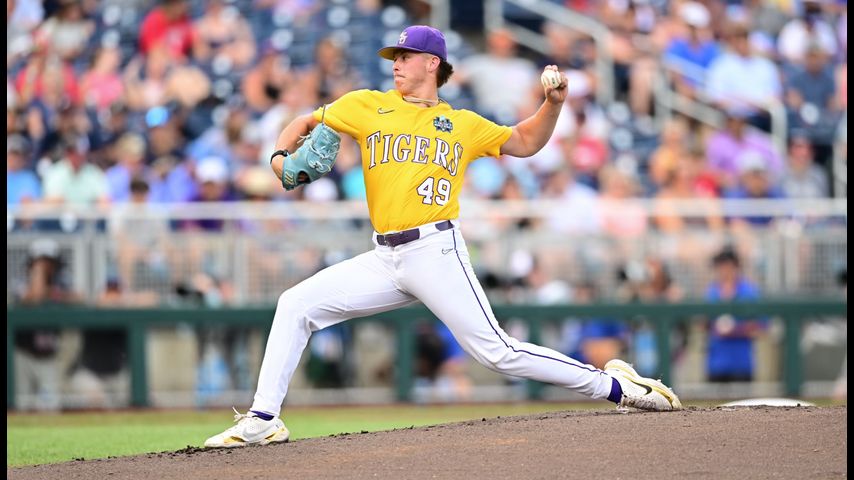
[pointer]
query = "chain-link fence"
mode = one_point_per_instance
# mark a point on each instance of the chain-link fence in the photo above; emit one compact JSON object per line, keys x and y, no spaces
{"x":237,"y":254}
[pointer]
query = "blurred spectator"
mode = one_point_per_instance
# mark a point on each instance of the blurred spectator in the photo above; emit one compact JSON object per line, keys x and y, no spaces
{"x":631,"y":23}
{"x":664,"y":162}
{"x":647,"y":281}
{"x":45,"y":74}
{"x":804,"y":179}
{"x":730,"y":354}
{"x":618,"y":218}
{"x":726,"y":85}
{"x":187,"y":85}
{"x":585,"y":128}
{"x":754,"y":183}
{"x":155,"y":80}
{"x":298,"y":10}
{"x":810,"y":28}
{"x":291,"y":102}
{"x":579,"y":211}
{"x":37,"y":375}
{"x":224,"y":141}
{"x":22,"y":184}
{"x":593,"y":341}
{"x":141,"y":243}
{"x":100,"y":377}
{"x":440,"y":365}
{"x":687,"y":182}
{"x":812,"y":100}
{"x":265,"y":257}
{"x":768,"y":17}
{"x":67,"y":31}
{"x":221,"y":34}
{"x":111,"y":124}
{"x":145,"y":79}
{"x":693,"y":49}
{"x":727,"y":148}
{"x":202,"y":289}
{"x":539,"y":280}
{"x":102,"y":85}
{"x":560,"y":46}
{"x":499,"y":78}
{"x":129,"y":153}
{"x":59,"y":122}
{"x":263,"y":85}
{"x":213,"y":177}
{"x":22,"y":18}
{"x":331,"y":75}
{"x":73,"y":180}
{"x":180,"y":179}
{"x":165,"y":135}
{"x":168,"y":25}
{"x":326,"y":366}
{"x":15,"y":121}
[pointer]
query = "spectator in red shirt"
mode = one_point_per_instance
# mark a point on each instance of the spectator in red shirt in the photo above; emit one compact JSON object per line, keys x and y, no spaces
{"x":170,"y":24}
{"x":46,"y":75}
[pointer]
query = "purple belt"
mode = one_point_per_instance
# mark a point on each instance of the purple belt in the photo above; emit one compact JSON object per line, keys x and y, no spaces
{"x":406,"y":236}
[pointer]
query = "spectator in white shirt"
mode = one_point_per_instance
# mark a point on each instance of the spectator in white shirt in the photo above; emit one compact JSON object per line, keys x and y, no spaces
{"x":799,"y":33}
{"x":500,"y":80}
{"x":740,"y":79}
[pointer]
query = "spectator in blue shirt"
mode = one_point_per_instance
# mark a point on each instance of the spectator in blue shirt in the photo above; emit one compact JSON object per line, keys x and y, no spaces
{"x":730,"y":355}
{"x":692,"y":52}
{"x":22,"y":185}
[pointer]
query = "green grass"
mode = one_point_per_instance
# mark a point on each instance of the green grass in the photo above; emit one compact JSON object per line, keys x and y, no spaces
{"x":37,"y":439}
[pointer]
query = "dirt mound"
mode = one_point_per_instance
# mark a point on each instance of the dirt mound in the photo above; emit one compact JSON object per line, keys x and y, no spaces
{"x":747,"y":442}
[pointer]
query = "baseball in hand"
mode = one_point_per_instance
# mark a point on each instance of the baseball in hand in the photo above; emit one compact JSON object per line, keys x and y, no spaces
{"x":550,"y":78}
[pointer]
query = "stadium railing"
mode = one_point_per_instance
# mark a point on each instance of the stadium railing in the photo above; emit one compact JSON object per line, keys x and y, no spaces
{"x":800,"y":253}
{"x":663,"y":317}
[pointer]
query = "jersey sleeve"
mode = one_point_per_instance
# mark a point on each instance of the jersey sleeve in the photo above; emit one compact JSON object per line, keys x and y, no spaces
{"x":488,"y":137}
{"x":343,"y":114}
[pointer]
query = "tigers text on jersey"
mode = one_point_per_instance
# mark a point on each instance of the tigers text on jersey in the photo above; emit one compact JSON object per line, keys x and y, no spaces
{"x":413,"y":158}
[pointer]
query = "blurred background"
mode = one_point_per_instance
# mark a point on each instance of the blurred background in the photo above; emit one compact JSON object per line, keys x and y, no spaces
{"x":700,"y":159}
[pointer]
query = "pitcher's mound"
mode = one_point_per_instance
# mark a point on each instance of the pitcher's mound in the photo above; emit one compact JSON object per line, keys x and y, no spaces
{"x":750,"y":442}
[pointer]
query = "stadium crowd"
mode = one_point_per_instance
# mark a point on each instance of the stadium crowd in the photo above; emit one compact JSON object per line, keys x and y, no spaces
{"x":139,"y":104}
{"x":181,"y":101}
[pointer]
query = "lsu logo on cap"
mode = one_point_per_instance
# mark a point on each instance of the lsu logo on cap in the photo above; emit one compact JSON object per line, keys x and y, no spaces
{"x":402,"y":38}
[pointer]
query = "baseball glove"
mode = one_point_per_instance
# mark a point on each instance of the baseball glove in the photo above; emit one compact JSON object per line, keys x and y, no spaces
{"x":313,"y":159}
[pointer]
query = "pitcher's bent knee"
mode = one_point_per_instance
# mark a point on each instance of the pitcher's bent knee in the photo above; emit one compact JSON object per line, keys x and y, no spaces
{"x":290,"y":307}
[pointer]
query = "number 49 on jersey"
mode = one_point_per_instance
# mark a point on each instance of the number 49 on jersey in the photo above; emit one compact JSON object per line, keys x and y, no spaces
{"x":440,"y":195}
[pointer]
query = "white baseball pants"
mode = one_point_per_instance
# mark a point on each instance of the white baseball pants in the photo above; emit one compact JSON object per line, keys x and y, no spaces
{"x":436,"y":270}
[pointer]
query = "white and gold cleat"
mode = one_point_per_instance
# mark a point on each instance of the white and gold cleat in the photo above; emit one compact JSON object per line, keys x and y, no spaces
{"x":250,"y":430}
{"x":641,"y":392}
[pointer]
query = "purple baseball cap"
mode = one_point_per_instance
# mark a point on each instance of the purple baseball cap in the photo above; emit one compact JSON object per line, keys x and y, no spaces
{"x":418,"y":38}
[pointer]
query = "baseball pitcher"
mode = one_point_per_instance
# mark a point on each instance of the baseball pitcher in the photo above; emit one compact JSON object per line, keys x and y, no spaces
{"x":415,"y":151}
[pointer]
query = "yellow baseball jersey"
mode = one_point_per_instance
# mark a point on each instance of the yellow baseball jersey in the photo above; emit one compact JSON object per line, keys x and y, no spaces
{"x":414,"y":159}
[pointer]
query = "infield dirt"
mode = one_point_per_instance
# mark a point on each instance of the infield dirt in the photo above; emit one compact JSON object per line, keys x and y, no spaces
{"x":745,"y":442}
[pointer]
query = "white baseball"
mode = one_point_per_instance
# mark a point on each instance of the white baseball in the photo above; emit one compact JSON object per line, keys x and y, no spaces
{"x":550,"y":78}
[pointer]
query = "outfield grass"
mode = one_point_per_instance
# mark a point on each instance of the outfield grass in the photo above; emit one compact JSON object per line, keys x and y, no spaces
{"x":37,"y":439}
